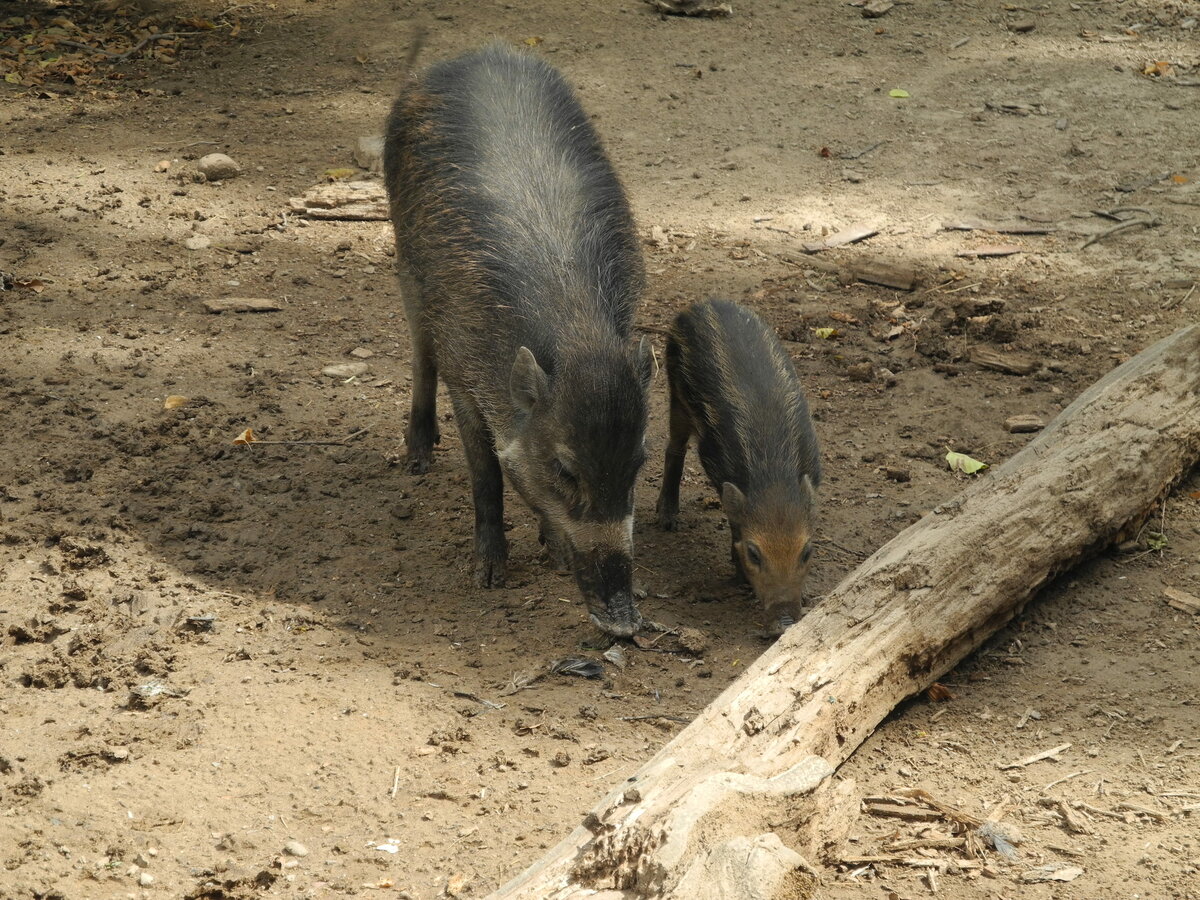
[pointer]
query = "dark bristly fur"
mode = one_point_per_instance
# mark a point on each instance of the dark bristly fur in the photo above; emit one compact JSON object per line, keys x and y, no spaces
{"x":734,"y":387}
{"x":521,"y":270}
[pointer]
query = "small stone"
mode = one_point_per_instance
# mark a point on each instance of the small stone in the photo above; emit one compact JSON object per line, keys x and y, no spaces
{"x":1023,"y":26}
{"x":369,"y":154}
{"x":888,"y":377}
{"x":693,"y":640}
{"x":362,"y":353}
{"x":403,"y":510}
{"x":861,"y":372}
{"x":217,"y":167}
{"x":345,"y":370}
{"x":1023,"y":424}
{"x":141,"y":860}
{"x":145,"y":879}
{"x":198,"y":242}
{"x":295,"y":848}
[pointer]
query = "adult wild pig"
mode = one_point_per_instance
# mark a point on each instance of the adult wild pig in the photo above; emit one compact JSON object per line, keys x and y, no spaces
{"x":734,"y":387}
{"x":520,"y":270}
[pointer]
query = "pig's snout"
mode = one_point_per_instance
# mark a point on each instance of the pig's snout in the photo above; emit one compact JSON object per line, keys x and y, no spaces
{"x":605,"y":579}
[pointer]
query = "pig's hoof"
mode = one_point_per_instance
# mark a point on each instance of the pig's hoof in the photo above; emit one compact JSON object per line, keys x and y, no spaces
{"x":557,"y":558}
{"x":489,"y":573}
{"x":668,"y":521}
{"x":418,"y":464}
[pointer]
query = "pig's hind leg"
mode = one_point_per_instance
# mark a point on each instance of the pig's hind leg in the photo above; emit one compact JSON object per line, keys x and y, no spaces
{"x":422,"y":432}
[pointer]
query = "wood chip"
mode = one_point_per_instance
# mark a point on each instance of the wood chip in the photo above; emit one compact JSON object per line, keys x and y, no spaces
{"x":1023,"y":424}
{"x":999,"y":227}
{"x":841,"y":239}
{"x":1182,"y":600}
{"x":989,"y":250}
{"x":1145,"y":811}
{"x":1009,"y":363}
{"x":357,"y":201}
{"x":892,"y":275}
{"x":1052,"y":753}
{"x":242,"y":304}
{"x":903,"y":811}
{"x":1051,"y":872}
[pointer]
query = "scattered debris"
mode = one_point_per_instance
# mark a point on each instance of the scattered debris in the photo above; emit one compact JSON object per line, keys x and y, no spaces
{"x":1051,"y":872}
{"x":842,"y":238}
{"x":616,"y":656}
{"x":1000,"y":227}
{"x":356,"y":201}
{"x":242,"y":304}
{"x":988,"y":251}
{"x":1052,"y":753}
{"x":1141,"y":218}
{"x":1023,"y":424}
{"x":1182,"y":600}
{"x":960,"y":462}
{"x":701,"y":8}
{"x":577,"y":665}
{"x":1008,"y":363}
{"x":893,"y":275}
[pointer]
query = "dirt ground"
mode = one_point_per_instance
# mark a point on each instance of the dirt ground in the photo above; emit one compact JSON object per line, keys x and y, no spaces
{"x":233,"y":672}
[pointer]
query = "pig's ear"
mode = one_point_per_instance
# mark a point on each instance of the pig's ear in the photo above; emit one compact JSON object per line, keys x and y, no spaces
{"x":528,"y":382}
{"x":807,"y":488}
{"x":733,"y":501}
{"x":646,"y":363}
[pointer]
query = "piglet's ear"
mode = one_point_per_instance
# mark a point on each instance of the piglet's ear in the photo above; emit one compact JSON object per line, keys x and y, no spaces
{"x":646,"y":364}
{"x":733,"y":501}
{"x":527,"y":384}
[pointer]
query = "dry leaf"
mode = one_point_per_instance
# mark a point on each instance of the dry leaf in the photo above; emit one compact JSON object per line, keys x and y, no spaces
{"x":825,"y":334}
{"x":532,"y":41}
{"x":843,"y":317}
{"x":340,"y":174}
{"x":175,"y":401}
{"x":938,"y":692}
{"x":30,"y":284}
{"x":1179,"y":179}
{"x":246,"y":437}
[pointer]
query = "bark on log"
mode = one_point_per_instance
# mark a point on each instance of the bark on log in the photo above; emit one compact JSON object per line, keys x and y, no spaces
{"x":761,"y":754}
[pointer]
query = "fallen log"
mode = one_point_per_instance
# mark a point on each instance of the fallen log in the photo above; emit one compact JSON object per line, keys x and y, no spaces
{"x":756,"y":762}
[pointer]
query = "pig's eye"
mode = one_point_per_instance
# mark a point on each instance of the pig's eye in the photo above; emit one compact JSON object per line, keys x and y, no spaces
{"x":563,"y":474}
{"x":753,"y":555}
{"x":806,"y":553}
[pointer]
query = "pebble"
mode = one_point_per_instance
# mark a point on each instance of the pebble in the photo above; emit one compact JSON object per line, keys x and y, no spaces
{"x":861,"y":372}
{"x":217,"y":167}
{"x":145,"y":879}
{"x":198,"y":242}
{"x":295,"y":848}
{"x":345,"y":370}
{"x":362,"y":353}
